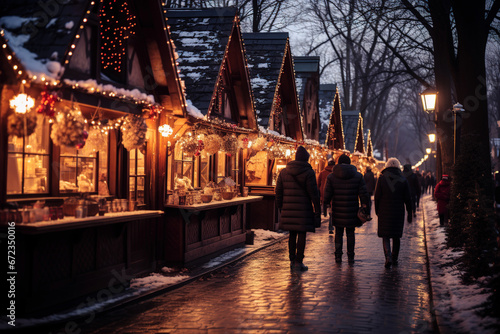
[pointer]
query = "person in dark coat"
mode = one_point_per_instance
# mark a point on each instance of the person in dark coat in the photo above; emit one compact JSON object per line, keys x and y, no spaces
{"x":297,"y":197}
{"x":442,"y":195}
{"x":392,"y":194}
{"x":421,"y":186}
{"x":414,"y":187}
{"x":321,"y":185}
{"x":345,"y":187}
{"x":370,"y":184}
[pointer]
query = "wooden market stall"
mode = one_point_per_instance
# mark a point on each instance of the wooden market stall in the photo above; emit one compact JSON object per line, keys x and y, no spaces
{"x":276,"y":103}
{"x":206,"y":161}
{"x":81,"y":157}
{"x":307,"y":80}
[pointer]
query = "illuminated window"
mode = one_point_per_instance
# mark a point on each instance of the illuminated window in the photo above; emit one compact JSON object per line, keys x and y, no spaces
{"x":28,"y":161}
{"x":137,"y":176}
{"x":78,"y":170}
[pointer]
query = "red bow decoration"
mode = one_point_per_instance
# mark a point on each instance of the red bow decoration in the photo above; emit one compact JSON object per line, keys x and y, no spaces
{"x":47,"y":105}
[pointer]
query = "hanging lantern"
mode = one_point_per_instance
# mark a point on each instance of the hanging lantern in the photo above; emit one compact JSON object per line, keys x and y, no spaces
{"x":22,"y":103}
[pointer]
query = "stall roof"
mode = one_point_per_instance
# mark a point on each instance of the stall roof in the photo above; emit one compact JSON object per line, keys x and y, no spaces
{"x":307,"y":81}
{"x":335,"y":135}
{"x":271,"y":69}
{"x":350,"y":119}
{"x":44,"y":45}
{"x":202,"y":40}
{"x":326,"y":96}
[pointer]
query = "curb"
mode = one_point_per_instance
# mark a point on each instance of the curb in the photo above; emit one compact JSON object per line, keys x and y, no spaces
{"x":437,"y":320}
{"x":51,"y":325}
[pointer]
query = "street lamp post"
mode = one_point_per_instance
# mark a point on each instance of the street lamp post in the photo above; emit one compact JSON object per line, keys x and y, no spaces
{"x":457,"y":109}
{"x":429,"y":104}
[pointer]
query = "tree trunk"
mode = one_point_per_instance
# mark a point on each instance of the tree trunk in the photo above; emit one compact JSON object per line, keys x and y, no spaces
{"x":472,"y":32}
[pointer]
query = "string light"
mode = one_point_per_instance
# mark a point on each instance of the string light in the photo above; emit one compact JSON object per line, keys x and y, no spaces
{"x":117,"y":24}
{"x":22,"y":103}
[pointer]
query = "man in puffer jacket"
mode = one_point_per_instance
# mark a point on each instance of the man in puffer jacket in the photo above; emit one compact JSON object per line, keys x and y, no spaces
{"x":297,"y":196}
{"x":345,"y":188}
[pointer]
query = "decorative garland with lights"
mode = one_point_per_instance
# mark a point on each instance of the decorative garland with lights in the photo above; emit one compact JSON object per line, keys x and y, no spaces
{"x":134,"y":129}
{"x":69,"y":128}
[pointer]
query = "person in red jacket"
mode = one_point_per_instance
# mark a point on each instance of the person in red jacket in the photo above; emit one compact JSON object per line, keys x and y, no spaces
{"x":321,"y":185}
{"x":442,"y":195}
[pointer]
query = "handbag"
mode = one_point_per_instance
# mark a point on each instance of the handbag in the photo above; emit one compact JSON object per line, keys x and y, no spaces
{"x":363,"y":215}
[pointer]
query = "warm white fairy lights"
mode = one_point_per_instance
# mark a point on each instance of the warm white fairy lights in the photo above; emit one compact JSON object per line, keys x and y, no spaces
{"x":22,"y":103}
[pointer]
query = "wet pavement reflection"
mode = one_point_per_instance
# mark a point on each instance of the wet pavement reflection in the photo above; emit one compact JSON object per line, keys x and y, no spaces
{"x":260,"y":294}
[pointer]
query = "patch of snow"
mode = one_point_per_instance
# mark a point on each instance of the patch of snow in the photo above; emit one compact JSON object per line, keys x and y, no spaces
{"x":69,"y":25}
{"x":457,"y":303}
{"x":192,"y":110}
{"x":259,"y":82}
{"x":15,"y":22}
{"x":93,"y":87}
{"x":51,"y":23}
{"x":54,"y":67}
{"x":263,"y":65}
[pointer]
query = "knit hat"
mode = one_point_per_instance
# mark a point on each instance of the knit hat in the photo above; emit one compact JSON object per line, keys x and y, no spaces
{"x":301,"y":154}
{"x":344,"y":159}
{"x":393,"y":162}
{"x":446,"y":177}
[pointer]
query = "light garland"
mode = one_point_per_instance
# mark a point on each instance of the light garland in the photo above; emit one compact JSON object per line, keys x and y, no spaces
{"x":165,"y":130}
{"x":117,"y":25}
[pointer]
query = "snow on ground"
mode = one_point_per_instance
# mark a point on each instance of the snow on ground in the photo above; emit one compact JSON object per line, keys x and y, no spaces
{"x":455,"y":302}
{"x":142,"y":285}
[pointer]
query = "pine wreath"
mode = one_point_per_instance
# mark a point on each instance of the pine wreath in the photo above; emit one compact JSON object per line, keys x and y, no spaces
{"x":212,"y":144}
{"x":15,"y":124}
{"x":259,"y":144}
{"x":68,"y":129}
{"x":230,"y":144}
{"x":134,"y":130}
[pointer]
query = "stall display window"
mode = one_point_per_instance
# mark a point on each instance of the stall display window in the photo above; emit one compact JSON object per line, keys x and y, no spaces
{"x":221,"y":166}
{"x":183,"y":165}
{"x":137,"y":175}
{"x":279,"y":164}
{"x":78,"y":170}
{"x":256,"y":171}
{"x":28,"y":162}
{"x":204,"y":170}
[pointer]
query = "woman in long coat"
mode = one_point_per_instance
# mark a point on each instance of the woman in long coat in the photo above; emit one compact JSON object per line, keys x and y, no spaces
{"x":297,"y":196}
{"x":392,"y":194}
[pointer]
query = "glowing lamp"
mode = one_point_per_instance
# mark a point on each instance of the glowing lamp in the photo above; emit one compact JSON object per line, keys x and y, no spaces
{"x":165,"y":130}
{"x":429,"y":97}
{"x":432,"y":137}
{"x":22,"y":103}
{"x":428,"y":150}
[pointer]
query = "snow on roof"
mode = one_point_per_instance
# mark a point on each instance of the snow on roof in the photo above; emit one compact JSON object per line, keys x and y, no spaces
{"x":91,"y":86}
{"x":200,"y":38}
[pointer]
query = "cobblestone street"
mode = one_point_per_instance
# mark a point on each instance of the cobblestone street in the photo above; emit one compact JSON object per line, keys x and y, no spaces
{"x":260,"y":294}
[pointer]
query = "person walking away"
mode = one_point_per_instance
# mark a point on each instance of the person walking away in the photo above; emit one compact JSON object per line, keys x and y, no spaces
{"x":442,"y":195}
{"x":297,"y":197}
{"x":392,"y":195}
{"x":414,"y":187}
{"x":427,"y":182}
{"x":345,"y":188}
{"x":421,"y":186}
{"x":321,"y":185}
{"x":370,"y":184}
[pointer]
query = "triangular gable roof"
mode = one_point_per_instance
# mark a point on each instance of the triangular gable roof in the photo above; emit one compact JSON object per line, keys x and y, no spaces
{"x":350,"y":120}
{"x":45,"y":52}
{"x":203,"y":38}
{"x":369,"y":148}
{"x":359,"y":146}
{"x":272,"y":77}
{"x":326,"y":97}
{"x":307,"y":81}
{"x":335,"y":134}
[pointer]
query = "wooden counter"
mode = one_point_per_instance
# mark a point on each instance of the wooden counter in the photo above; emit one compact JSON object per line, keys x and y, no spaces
{"x":263,"y":214}
{"x":62,"y":262}
{"x":194,"y":232}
